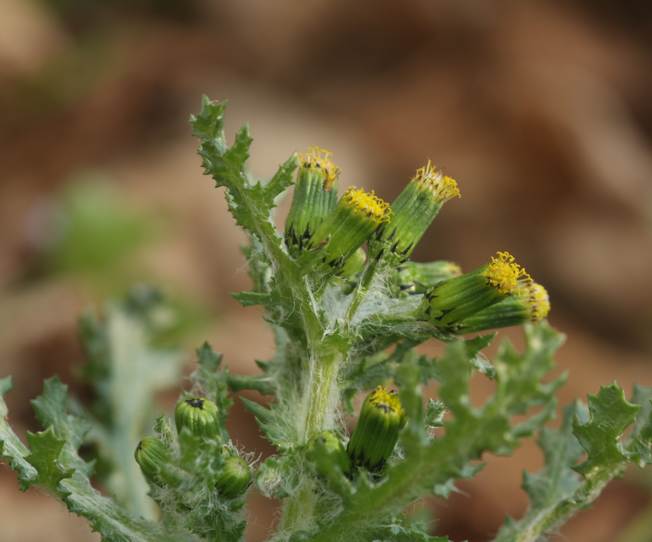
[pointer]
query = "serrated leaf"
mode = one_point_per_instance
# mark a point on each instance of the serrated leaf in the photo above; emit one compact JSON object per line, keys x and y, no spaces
{"x":126,"y":370}
{"x":561,"y":451}
{"x":640,"y":441}
{"x":226,"y":165}
{"x":281,"y":180}
{"x":557,"y":492}
{"x":110,"y":520}
{"x":46,"y":449}
{"x":52,"y":411}
{"x":12,"y":449}
{"x":610,"y":415}
{"x":54,"y":464}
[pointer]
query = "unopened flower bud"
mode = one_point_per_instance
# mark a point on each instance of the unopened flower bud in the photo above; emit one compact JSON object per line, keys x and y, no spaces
{"x":326,"y":451}
{"x":413,"y":211}
{"x":381,"y":419}
{"x":234,"y":477}
{"x":529,"y":303}
{"x":417,"y":278}
{"x":315,"y":196}
{"x":456,"y":299}
{"x":358,"y":215}
{"x":198,"y":414}
{"x":354,"y":264}
{"x":155,"y":462}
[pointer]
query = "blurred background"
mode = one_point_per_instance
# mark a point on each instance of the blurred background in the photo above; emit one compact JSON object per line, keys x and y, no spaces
{"x":541,"y":111}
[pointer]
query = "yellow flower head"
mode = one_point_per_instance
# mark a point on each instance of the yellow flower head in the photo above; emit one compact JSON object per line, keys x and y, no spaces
{"x":504,"y":274}
{"x":386,"y":400}
{"x":536,"y":299}
{"x":320,"y":160}
{"x":440,"y":186}
{"x":368,"y":204}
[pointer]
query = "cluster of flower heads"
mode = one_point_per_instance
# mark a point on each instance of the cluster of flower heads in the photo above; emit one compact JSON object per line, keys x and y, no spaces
{"x":196,"y":419}
{"x":333,"y":231}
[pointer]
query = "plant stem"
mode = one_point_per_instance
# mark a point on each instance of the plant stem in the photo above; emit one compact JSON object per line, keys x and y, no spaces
{"x":320,"y":399}
{"x":299,"y":509}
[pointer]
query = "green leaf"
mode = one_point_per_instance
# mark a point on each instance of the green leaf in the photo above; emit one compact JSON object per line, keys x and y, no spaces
{"x":53,"y":463}
{"x":249,"y":203}
{"x":12,"y":449}
{"x":610,"y":415}
{"x":52,"y":411}
{"x":561,"y":451}
{"x":126,"y":371}
{"x":281,"y":180}
{"x":110,"y":520}
{"x":641,"y":437}
{"x":46,"y":448}
{"x":557,"y":492}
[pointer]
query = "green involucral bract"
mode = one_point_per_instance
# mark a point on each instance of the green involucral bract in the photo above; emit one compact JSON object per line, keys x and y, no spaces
{"x":376,"y":433}
{"x":347,"y":307}
{"x":198,"y":414}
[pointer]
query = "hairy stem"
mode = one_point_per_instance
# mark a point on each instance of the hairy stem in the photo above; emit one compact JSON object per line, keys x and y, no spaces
{"x":319,"y":404}
{"x":299,"y":509}
{"x":320,"y":399}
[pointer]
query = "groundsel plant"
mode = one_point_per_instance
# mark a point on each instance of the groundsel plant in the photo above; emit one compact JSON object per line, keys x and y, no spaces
{"x":347,"y":307}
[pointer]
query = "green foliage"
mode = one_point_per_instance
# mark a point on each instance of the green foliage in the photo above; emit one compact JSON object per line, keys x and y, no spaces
{"x":340,"y":330}
{"x":126,"y":369}
{"x":565,"y":486}
{"x":53,"y":463}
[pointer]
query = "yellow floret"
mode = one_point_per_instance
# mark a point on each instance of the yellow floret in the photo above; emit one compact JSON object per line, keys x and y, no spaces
{"x":320,"y":159}
{"x":385,"y":399}
{"x":538,"y":302}
{"x":440,"y":186}
{"x":504,"y":274}
{"x":368,"y":204}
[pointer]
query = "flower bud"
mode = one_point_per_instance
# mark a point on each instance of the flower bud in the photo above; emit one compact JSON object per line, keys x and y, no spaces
{"x":456,"y":299}
{"x":155,"y":461}
{"x":374,"y":437}
{"x":198,"y":414}
{"x":315,"y":196}
{"x":234,"y":477}
{"x":528,"y":303}
{"x":358,"y":214}
{"x":353,"y":265}
{"x":326,"y":451}
{"x":413,"y":211}
{"x":417,"y":278}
